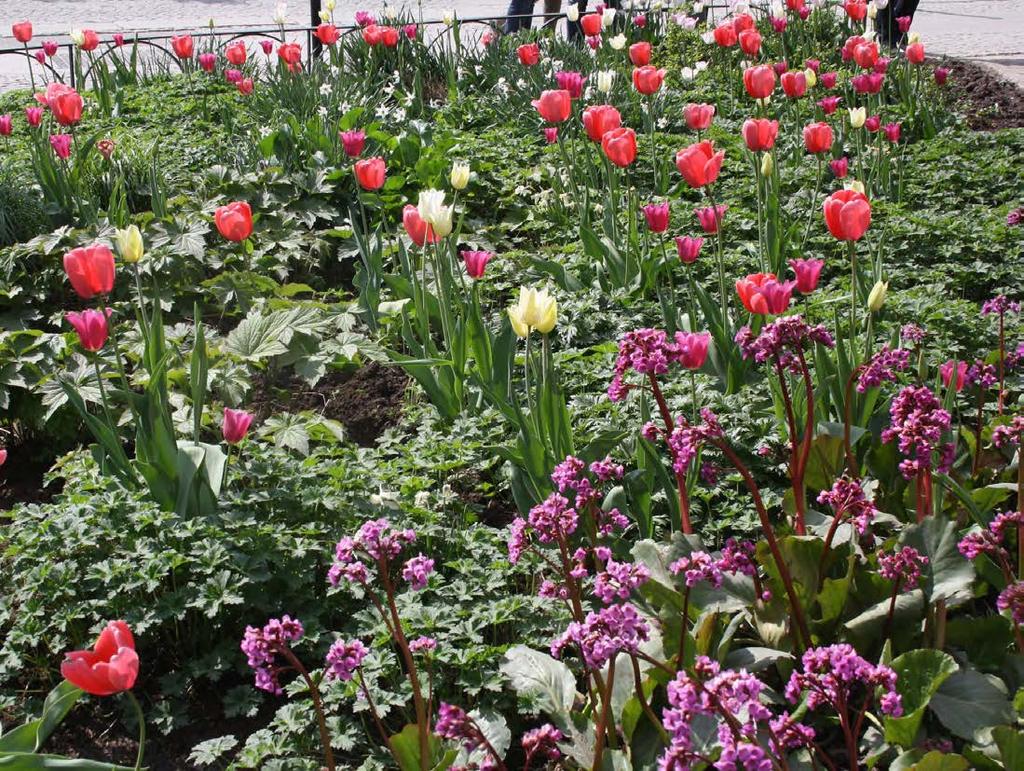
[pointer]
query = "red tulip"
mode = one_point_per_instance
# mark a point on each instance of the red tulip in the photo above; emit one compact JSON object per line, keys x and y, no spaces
{"x":3,"y":456}
{"x":389,"y":37}
{"x":61,"y":144}
{"x":554,"y":106}
{"x":693,"y":348}
{"x":688,"y":248}
{"x":619,"y":145}
{"x":818,"y":137}
{"x":245,"y":86}
{"x":828,"y":79}
{"x":856,"y":9}
{"x":794,"y":84}
{"x":371,"y":172}
{"x":235,"y":425}
{"x":207,"y":61}
{"x":848,"y":47}
{"x":110,"y":667}
{"x":742,"y":22}
{"x":599,"y":119}
{"x":529,"y":54}
{"x":648,"y":79}
{"x":291,"y":55}
{"x":22,"y":31}
{"x":183,"y":46}
{"x":267,"y":46}
{"x":90,"y":270}
{"x":725,"y":35}
{"x":711,"y":217}
{"x":866,"y":54}
{"x":90,"y":40}
{"x":50,"y":48}
{"x":872,"y":123}
{"x":5,"y":125}
{"x":640,"y":54}
{"x":940,"y":75}
{"x":750,"y":42}
{"x":327,"y":34}
{"x":847,"y":214}
{"x":91,"y":326}
{"x":759,"y":81}
{"x":236,"y":53}
{"x":698,"y":117}
{"x":64,"y":102}
{"x":762,"y":293}
{"x":807,"y":274}
{"x":657,"y":215}
{"x":475,"y":262}
{"x":915,"y":53}
{"x":591,"y":24}
{"x":418,"y":229}
{"x":949,"y":368}
{"x":234,"y":221}
{"x":372,"y":35}
{"x":699,"y":163}
{"x":760,"y":133}
{"x":353,"y":142}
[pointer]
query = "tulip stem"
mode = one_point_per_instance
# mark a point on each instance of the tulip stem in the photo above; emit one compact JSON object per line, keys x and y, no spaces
{"x":852,"y":249}
{"x":141,"y":719}
{"x":814,"y":205}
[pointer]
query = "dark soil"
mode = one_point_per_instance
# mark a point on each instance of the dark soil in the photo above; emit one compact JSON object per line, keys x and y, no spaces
{"x":988,"y":101}
{"x":21,"y":478}
{"x":366,"y":401}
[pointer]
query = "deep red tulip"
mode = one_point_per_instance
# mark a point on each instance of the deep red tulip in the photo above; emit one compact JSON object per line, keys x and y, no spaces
{"x":829,"y":104}
{"x":941,"y":74}
{"x":372,"y":35}
{"x":688,"y":248}
{"x":949,"y":368}
{"x":90,"y":270}
{"x":370,"y":173}
{"x":599,"y":119}
{"x":554,"y":106}
{"x":353,"y":142}
{"x":807,"y":274}
{"x":867,"y":83}
{"x":234,"y":221}
{"x":64,"y":102}
{"x":866,"y":54}
{"x":657,"y":216}
{"x":915,"y":53}
{"x":207,"y":61}
{"x":779,"y":23}
{"x":698,"y":117}
{"x":110,"y":667}
{"x":872,"y":123}
{"x":742,"y":22}
{"x":760,"y":133}
{"x":529,"y":54}
{"x":267,"y":46}
{"x":183,"y":46}
{"x":91,"y":326}
{"x":903,"y":23}
{"x":327,"y":34}
{"x":389,"y":36}
{"x":892,"y":132}
{"x":236,"y":53}
{"x":648,"y":79}
{"x":794,"y":83}
{"x":118,"y":39}
{"x":828,"y":80}
{"x":591,"y":24}
{"x":725,"y":35}
{"x":411,"y":31}
{"x":22,"y":31}
{"x":759,"y":81}
{"x":750,"y":42}
{"x":693,"y":348}
{"x":50,"y":48}
{"x":475,"y":262}
{"x":856,"y":9}
{"x":840,"y":167}
{"x":291,"y":55}
{"x":640,"y":54}
{"x":418,"y":229}
{"x":235,"y":425}
{"x":847,"y":214}
{"x":619,"y":145}
{"x":699,"y":163}
{"x":818,"y":137}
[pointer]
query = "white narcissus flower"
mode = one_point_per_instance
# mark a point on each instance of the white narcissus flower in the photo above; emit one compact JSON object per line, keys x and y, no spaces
{"x":618,"y":42}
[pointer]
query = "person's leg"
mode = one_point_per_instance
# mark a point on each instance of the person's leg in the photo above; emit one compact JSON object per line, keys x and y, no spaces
{"x":518,"y":8}
{"x":885,"y":24}
{"x":551,"y":7}
{"x":906,"y":8}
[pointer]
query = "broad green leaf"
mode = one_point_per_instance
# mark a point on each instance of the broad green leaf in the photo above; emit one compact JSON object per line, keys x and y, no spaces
{"x":969,"y":701}
{"x":948,"y":574}
{"x":919,"y":673}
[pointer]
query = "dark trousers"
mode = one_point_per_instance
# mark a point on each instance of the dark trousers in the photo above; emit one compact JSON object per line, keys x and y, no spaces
{"x":518,"y":8}
{"x":885,"y":22}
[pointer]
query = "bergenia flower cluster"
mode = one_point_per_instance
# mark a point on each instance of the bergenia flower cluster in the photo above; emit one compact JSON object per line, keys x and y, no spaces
{"x":835,"y":676}
{"x":902,"y":567}
{"x":261,"y":647}
{"x":883,"y":368}
{"x":918,"y":423}
{"x":1009,"y":435}
{"x":454,"y":724}
{"x":685,"y":440}
{"x":541,"y":744}
{"x":650,"y":351}
{"x":1000,"y":305}
{"x":604,"y":634}
{"x":734,"y":699}
{"x":783,"y":341}
{"x":374,"y":547}
{"x":344,"y":658}
{"x":848,"y":500}
{"x":991,"y":541}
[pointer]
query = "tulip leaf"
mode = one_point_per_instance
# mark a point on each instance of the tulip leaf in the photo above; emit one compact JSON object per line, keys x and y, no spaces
{"x":31,"y":736}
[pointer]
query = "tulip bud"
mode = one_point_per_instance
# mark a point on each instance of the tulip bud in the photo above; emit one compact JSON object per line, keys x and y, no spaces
{"x":129,"y":244}
{"x":811,"y":76}
{"x":913,"y":37}
{"x":857,"y":117}
{"x":330,"y":5}
{"x":448,"y":17}
{"x":618,"y":42}
{"x":767,"y":165}
{"x":856,"y":185}
{"x":572,"y":13}
{"x":607,"y":17}
{"x":460,"y":175}
{"x":325,"y":16}
{"x":877,"y":297}
{"x":605,"y":80}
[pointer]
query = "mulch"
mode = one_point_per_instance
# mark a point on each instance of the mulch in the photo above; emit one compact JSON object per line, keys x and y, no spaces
{"x":988,"y":100}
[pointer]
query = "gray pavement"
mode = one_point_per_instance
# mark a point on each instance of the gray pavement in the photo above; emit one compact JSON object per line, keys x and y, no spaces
{"x":986,"y":31}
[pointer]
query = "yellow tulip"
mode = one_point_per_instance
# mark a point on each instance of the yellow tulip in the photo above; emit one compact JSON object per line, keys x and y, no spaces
{"x":129,"y":244}
{"x":767,"y":164}
{"x":855,"y":184}
{"x":811,"y":76}
{"x":535,"y":309}
{"x":460,"y":175}
{"x":877,"y":297}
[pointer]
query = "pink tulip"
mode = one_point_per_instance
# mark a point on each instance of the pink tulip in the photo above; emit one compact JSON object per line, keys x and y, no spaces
{"x":365,"y":18}
{"x":118,"y":39}
{"x":550,"y":135}
{"x":872,"y":123}
{"x":940,"y":74}
{"x":91,"y":326}
{"x":698,"y":117}
{"x":688,"y":249}
{"x":779,"y":23}
{"x":829,"y":104}
{"x":40,"y":56}
{"x":571,"y":82}
{"x":840,"y":167}
{"x":807,"y":274}
{"x":352,"y":142}
{"x":476,"y":262}
{"x":710,"y":217}
{"x":410,"y":31}
{"x":245,"y":86}
{"x":892,"y":132}
{"x":267,"y":46}
{"x":828,"y":79}
{"x":208,"y":61}
{"x":657,"y":216}
{"x":3,"y":456}
{"x":693,"y":348}
{"x":34,"y":116}
{"x":50,"y":48}
{"x":232,"y":76}
{"x":6,"y":125}
{"x":813,"y":65}
{"x":947,"y":370}
{"x":236,"y":425}
{"x":61,"y":144}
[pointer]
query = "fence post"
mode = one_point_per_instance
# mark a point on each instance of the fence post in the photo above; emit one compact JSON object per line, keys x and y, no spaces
{"x":314,"y":20}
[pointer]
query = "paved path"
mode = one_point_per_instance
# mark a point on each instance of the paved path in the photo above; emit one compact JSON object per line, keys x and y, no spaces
{"x":987,"y":31}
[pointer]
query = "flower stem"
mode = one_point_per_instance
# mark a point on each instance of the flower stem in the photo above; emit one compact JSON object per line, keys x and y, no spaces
{"x":141,"y":719}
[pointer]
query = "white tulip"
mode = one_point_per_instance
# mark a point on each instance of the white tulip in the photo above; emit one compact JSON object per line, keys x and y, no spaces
{"x":605,"y":81}
{"x":608,"y":17}
{"x":618,"y":42}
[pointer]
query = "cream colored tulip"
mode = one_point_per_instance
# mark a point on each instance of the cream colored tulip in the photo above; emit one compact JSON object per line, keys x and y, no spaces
{"x":129,"y":244}
{"x":767,"y":165}
{"x":535,"y":309}
{"x":618,"y":42}
{"x":854,"y":184}
{"x":877,"y":297}
{"x":811,"y":77}
{"x":607,"y":17}
{"x":605,"y":81}
{"x":857,"y":117}
{"x":572,"y":13}
{"x":460,"y":175}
